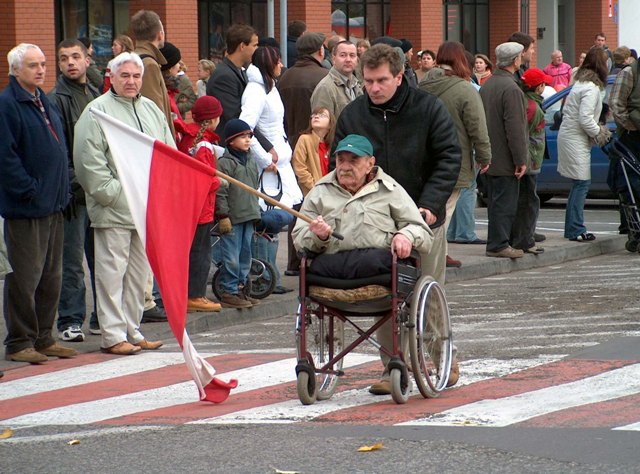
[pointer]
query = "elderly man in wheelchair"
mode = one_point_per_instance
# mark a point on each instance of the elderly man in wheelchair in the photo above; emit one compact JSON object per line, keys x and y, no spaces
{"x":373,"y":269}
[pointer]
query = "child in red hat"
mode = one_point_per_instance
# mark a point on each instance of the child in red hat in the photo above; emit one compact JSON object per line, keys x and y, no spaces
{"x":198,"y":140}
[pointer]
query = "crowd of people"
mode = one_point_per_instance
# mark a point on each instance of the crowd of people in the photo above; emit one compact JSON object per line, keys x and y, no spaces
{"x":338,"y":123}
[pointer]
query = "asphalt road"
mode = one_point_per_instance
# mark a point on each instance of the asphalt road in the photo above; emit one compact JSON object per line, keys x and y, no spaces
{"x":549,"y":384}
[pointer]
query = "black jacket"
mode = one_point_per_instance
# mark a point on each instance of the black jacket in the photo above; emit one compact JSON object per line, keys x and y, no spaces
{"x":414,"y":140}
{"x":71,"y":99}
{"x":227,"y":83}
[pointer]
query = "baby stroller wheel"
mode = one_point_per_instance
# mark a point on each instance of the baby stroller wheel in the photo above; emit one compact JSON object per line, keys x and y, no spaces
{"x":262,"y":280}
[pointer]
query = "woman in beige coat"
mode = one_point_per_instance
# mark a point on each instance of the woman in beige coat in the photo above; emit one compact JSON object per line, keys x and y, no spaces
{"x":311,"y":156}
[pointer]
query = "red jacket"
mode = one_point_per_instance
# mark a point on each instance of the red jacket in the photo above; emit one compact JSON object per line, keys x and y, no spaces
{"x":204,"y":153}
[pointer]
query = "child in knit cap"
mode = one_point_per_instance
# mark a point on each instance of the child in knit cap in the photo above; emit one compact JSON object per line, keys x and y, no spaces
{"x":237,"y":211}
{"x":198,"y":140}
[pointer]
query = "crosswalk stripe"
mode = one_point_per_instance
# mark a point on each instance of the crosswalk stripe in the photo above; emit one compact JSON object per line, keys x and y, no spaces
{"x":507,"y":411}
{"x":250,"y":378}
{"x":83,"y":374}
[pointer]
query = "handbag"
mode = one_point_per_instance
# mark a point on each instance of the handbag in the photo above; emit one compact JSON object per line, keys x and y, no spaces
{"x":264,"y":205}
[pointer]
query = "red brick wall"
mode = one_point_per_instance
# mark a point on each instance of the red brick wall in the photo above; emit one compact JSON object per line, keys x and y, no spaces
{"x":27,"y":22}
{"x":181,"y":28}
{"x":428,"y":33}
{"x":597,"y":13}
{"x":504,"y":19}
{"x":315,"y":13}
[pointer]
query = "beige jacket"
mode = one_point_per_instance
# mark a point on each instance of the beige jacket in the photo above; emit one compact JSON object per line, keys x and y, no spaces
{"x":306,"y":161}
{"x":331,"y":93}
{"x":368,"y":219}
{"x":153,"y":86}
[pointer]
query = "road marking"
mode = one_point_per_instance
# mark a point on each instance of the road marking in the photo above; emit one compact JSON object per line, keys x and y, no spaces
{"x":81,"y":435}
{"x":515,"y":409}
{"x":250,"y":378}
{"x":90,"y":373}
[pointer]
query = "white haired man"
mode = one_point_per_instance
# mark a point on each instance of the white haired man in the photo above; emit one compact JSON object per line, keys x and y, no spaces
{"x":34,"y":190}
{"x":121,"y":265}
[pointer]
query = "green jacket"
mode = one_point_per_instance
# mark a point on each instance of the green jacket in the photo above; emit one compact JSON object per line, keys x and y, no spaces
{"x":232,"y":201}
{"x":95,"y":169}
{"x":535,"y":117}
{"x":465,"y":107}
{"x":368,"y":219}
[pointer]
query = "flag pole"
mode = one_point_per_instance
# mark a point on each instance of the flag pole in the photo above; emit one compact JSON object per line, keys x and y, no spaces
{"x":272,"y":201}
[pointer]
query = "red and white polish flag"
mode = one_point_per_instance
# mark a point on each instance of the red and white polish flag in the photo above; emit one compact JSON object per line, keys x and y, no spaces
{"x":166,"y":190}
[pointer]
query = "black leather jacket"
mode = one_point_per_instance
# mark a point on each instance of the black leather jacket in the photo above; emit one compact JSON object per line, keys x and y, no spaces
{"x":414,"y":140}
{"x":70,"y":99}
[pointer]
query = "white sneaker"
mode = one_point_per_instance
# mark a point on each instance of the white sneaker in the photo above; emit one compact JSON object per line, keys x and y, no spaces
{"x":72,"y":334}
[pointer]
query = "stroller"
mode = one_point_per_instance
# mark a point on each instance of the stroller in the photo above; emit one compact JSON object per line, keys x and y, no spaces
{"x":624,"y":179}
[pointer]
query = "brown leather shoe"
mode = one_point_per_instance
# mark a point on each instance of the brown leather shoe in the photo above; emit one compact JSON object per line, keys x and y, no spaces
{"x":146,"y":345}
{"x":507,"y":252}
{"x":202,"y":305}
{"x":453,"y":263}
{"x":454,"y":374}
{"x":56,"y":350}
{"x":381,"y":388}
{"x":229,"y":300}
{"x":122,"y":348}
{"x":29,"y":355}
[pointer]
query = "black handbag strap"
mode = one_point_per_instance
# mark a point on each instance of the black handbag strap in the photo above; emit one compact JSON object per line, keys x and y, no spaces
{"x":277,"y":196}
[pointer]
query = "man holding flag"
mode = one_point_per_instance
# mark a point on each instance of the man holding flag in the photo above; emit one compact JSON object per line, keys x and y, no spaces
{"x":143,"y":195}
{"x":121,"y":263}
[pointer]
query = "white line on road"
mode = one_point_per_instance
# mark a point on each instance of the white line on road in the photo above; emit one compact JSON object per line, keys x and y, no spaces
{"x":517,"y":408}
{"x":250,"y":378}
{"x":90,"y":373}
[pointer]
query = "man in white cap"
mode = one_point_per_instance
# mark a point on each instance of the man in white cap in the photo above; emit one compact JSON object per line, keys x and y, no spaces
{"x":504,"y":105}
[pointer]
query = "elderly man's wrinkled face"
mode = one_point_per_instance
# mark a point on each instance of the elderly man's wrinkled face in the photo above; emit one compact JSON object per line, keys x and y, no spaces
{"x":556,"y":59}
{"x":352,"y":170}
{"x":127,"y":80}
{"x":30,"y":74}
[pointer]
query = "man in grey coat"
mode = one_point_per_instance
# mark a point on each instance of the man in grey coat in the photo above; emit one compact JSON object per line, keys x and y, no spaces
{"x":504,"y":105}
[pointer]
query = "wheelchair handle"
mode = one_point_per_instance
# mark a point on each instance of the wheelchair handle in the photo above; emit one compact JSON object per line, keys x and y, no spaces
{"x":337,"y":235}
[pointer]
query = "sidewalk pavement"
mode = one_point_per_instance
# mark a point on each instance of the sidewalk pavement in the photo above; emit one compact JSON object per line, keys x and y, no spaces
{"x":474,"y":265}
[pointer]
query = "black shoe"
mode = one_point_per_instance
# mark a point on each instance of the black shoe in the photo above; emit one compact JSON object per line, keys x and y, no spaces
{"x":292,"y":273}
{"x":159,"y":303}
{"x":154,"y":315}
{"x":539,"y":237}
{"x":281,"y":290}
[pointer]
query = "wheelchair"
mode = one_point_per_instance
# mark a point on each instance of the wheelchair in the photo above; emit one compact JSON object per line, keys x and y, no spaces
{"x":416,"y":307}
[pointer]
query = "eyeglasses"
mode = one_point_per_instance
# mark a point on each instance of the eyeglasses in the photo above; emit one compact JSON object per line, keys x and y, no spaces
{"x":320,"y":115}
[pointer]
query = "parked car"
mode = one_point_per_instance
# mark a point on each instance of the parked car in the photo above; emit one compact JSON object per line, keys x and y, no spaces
{"x":550,"y":183}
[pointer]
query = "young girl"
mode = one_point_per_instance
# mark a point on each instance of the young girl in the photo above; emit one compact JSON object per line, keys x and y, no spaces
{"x":205,"y":69}
{"x":198,"y":140}
{"x":237,"y":211}
{"x":482,"y":68}
{"x":311,"y":156}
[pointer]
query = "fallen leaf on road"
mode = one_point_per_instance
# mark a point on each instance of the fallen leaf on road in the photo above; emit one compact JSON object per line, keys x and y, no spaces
{"x":375,"y":447}
{"x":8,"y":433}
{"x":73,"y":442}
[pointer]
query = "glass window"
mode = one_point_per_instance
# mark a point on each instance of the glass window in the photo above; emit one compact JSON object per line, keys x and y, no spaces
{"x":99,"y":20}
{"x":215,"y":16}
{"x":467,"y":21}
{"x":358,"y":19}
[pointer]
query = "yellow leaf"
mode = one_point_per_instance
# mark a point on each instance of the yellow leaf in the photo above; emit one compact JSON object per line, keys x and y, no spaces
{"x":375,"y":447}
{"x":8,"y":433}
{"x":73,"y":442}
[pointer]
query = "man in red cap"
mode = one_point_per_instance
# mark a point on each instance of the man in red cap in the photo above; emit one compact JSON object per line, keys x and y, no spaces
{"x":534,"y":81}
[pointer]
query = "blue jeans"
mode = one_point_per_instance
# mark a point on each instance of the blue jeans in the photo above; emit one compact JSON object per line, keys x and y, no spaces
{"x":462,"y":227}
{"x":236,"y":257}
{"x":574,"y":216}
{"x":265,"y":248}
{"x":72,"y":306}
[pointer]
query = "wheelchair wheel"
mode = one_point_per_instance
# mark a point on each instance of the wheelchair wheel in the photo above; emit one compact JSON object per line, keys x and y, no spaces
{"x":430,"y":338}
{"x":262,"y":278}
{"x":400,"y":385}
{"x":306,"y":389}
{"x":631,"y":246}
{"x":318,"y":345}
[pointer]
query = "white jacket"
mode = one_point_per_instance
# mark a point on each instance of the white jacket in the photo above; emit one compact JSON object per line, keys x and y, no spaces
{"x":266,"y":112}
{"x":579,"y":124}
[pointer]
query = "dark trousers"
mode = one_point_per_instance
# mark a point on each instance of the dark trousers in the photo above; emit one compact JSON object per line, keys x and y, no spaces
{"x":200,"y":261}
{"x":527,"y":214}
{"x":32,"y":291}
{"x":502,"y":206}
{"x":293,"y":261}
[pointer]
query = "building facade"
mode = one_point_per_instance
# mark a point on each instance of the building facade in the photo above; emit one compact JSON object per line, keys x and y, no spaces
{"x":197,"y":27}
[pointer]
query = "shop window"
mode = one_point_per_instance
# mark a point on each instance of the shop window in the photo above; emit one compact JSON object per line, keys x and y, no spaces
{"x":467,"y":21}
{"x":358,"y":19}
{"x":214,"y":17}
{"x":99,"y":20}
